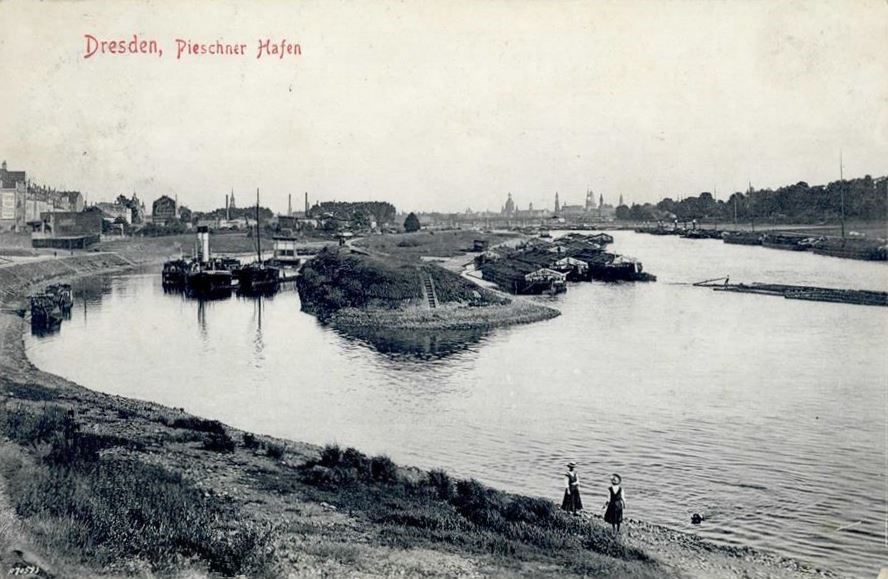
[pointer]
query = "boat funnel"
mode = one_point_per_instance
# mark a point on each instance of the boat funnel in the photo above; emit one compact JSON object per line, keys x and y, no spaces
{"x":203,"y":243}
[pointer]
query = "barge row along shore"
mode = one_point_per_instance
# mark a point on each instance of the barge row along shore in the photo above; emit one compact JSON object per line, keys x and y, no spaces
{"x":541,"y":266}
{"x":861,"y":248}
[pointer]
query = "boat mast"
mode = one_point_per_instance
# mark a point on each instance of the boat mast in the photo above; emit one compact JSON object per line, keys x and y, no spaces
{"x":258,"y":235}
{"x":842,"y":191}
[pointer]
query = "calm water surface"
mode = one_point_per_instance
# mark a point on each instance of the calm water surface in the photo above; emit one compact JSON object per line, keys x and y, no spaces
{"x":766,"y":415}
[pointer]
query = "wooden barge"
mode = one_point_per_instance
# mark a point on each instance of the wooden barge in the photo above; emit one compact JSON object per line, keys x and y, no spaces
{"x":787,"y":241}
{"x":798,"y":292}
{"x":742,"y":237}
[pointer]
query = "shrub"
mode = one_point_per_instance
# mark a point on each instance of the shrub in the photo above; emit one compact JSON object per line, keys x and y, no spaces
{"x":198,"y":424}
{"x":218,"y":442}
{"x":233,"y":553}
{"x":274,"y":450}
{"x":320,"y":476}
{"x":354,"y":458}
{"x":411,"y":223}
{"x":382,"y":469}
{"x":250,"y":441}
{"x":532,"y":510}
{"x":331,"y":455}
{"x":441,"y":484}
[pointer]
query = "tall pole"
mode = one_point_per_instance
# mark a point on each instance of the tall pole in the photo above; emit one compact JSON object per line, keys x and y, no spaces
{"x":258,"y":235}
{"x":842,"y":190}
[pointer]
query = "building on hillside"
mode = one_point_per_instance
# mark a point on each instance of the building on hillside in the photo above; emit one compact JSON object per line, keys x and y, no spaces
{"x":164,"y":211}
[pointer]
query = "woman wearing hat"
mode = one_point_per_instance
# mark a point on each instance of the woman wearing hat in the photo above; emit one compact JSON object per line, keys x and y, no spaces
{"x":572,"y":502}
{"x":613,"y":512}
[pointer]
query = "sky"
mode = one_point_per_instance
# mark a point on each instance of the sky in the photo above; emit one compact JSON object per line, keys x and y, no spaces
{"x":436,"y":105}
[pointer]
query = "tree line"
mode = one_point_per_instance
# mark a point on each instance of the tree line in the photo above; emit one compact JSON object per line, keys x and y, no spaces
{"x":863,"y":199}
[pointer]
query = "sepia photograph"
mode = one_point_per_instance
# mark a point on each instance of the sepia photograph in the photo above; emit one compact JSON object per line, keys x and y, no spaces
{"x":425,"y":288}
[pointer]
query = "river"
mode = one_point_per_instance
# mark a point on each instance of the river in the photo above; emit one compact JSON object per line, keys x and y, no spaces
{"x":766,"y":415}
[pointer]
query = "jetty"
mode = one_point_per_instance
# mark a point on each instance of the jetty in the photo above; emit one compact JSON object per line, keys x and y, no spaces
{"x":801,"y":292}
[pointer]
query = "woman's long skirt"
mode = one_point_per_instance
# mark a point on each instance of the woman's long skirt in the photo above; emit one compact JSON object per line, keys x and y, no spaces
{"x":614,"y":512}
{"x":572,"y":501}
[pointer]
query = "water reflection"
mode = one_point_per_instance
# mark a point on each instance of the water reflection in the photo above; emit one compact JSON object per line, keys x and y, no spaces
{"x":419,"y":345}
{"x":258,"y":345}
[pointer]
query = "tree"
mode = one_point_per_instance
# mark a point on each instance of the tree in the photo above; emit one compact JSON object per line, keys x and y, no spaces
{"x":411,"y":224}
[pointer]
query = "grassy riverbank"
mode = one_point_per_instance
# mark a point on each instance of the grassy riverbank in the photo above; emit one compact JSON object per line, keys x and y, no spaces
{"x":92,"y":485}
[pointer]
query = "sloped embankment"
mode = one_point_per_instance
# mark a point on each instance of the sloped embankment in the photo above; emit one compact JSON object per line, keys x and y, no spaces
{"x":17,"y":277}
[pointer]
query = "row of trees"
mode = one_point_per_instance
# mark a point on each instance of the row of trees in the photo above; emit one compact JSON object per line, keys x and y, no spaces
{"x":358,"y":215}
{"x":864,"y":199}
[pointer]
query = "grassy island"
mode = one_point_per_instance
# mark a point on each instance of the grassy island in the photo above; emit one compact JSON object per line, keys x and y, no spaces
{"x":354,"y":290}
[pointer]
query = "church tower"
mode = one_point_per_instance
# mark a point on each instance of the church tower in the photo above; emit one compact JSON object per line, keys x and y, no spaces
{"x":509,"y":208}
{"x":590,"y":201}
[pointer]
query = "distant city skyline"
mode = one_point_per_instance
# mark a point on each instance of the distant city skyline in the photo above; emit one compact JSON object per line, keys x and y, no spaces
{"x":439,"y":107}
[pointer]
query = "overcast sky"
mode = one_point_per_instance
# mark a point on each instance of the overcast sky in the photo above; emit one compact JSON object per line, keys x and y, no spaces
{"x":446,"y":105}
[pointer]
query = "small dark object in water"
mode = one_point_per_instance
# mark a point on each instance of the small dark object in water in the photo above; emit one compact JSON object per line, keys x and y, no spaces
{"x":696,"y":519}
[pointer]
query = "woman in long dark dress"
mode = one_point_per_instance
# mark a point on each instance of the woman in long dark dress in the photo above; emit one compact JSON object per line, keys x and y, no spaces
{"x":616,"y":501}
{"x":572,"y":502}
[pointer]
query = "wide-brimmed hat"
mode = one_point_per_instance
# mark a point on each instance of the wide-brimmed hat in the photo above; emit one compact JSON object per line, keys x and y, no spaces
{"x":571,"y":463}
{"x":618,"y":477}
